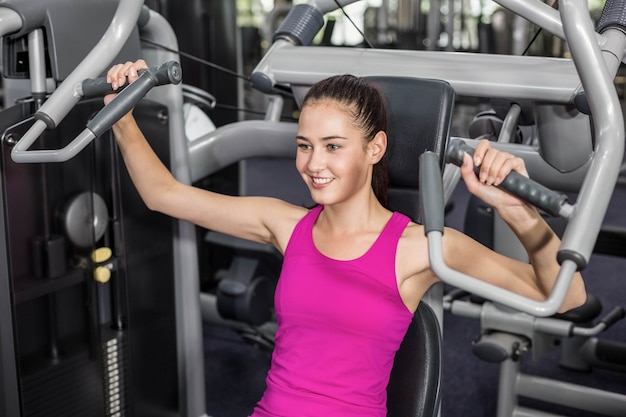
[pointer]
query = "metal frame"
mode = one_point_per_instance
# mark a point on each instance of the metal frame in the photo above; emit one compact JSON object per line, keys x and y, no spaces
{"x":287,"y":64}
{"x":52,"y":112}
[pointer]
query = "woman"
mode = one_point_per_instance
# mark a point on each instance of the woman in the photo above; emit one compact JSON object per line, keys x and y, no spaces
{"x":353,"y":271}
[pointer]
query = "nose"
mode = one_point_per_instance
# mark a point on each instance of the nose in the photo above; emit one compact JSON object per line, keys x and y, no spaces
{"x":316,"y":160}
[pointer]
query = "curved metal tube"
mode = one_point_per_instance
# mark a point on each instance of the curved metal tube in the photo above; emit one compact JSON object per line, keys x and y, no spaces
{"x":586,"y":219}
{"x":538,"y":13}
{"x":10,"y":21}
{"x":481,"y":288}
{"x":241,"y":140}
{"x":432,"y":208}
{"x":597,"y":188}
{"x":64,"y":98}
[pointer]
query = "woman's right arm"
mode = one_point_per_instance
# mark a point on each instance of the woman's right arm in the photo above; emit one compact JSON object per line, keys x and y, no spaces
{"x":260,"y":219}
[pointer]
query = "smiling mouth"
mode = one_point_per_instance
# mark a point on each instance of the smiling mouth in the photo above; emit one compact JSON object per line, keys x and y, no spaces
{"x":321,"y":181}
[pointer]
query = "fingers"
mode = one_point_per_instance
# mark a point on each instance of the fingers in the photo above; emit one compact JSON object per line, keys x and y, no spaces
{"x":467,"y":172}
{"x":119,"y":74}
{"x":495,"y":165}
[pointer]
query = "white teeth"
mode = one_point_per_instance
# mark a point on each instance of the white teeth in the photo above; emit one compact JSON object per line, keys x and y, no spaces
{"x":321,"y":180}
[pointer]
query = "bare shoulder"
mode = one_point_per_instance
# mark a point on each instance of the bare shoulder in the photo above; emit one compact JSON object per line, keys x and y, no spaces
{"x":281,"y":218}
{"x":414,"y":243}
{"x":458,"y":243}
{"x":413,"y":271}
{"x":412,"y":254}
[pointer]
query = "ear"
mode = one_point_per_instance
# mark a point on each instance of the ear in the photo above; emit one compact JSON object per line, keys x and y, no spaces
{"x":377,"y":147}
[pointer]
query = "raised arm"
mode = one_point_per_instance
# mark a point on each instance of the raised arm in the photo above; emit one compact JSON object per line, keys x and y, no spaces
{"x":259,"y":219}
{"x":534,"y":280}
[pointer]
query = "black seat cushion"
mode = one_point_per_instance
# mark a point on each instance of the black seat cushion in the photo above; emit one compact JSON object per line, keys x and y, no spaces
{"x":419,"y":120}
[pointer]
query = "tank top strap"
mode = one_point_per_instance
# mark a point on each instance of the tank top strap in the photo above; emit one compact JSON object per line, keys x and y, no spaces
{"x":393,"y":231}
{"x":302,"y":235}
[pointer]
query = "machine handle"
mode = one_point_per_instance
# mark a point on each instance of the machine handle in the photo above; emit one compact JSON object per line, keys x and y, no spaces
{"x":64,"y":98}
{"x":430,"y":184}
{"x":614,"y":316}
{"x":167,"y":73}
{"x":612,"y":15}
{"x":609,"y":320}
{"x":432,"y":206}
{"x":528,"y":190}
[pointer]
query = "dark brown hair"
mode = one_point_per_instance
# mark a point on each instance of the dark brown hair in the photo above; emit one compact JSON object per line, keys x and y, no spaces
{"x":366,"y":105}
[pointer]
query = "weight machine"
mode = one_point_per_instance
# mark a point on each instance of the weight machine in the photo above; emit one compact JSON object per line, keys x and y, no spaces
{"x":100,"y":312}
{"x":590,"y":167}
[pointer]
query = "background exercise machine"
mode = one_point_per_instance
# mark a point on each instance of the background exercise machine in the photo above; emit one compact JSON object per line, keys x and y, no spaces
{"x":92,"y":281}
{"x":295,"y":60}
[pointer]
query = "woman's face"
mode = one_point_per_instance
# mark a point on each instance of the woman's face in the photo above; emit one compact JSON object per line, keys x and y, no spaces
{"x":333,"y":158}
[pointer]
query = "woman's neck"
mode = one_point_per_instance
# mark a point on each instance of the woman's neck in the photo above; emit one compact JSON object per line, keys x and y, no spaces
{"x":353,"y":216}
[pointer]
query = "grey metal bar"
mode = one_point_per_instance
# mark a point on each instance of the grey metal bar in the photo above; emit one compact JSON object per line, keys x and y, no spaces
{"x":464,"y":309}
{"x":523,"y":77}
{"x":507,"y":398}
{"x":37,"y":63}
{"x":10,"y":21}
{"x":572,"y":395}
{"x":527,"y":412}
{"x":52,"y":155}
{"x":274,"y":108}
{"x":509,"y":125}
{"x":481,"y":288}
{"x":241,"y":140}
{"x":536,"y":12}
{"x":614,"y":48}
{"x":597,"y":188}
{"x":189,"y":342}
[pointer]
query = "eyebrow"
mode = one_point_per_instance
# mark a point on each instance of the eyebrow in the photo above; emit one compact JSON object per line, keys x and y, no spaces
{"x":325,"y":138}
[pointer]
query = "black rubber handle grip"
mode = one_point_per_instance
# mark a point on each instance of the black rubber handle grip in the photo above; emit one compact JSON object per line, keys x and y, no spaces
{"x":167,"y":73}
{"x":301,"y":24}
{"x":614,"y":316}
{"x":534,"y":193}
{"x":528,"y":190}
{"x":613,"y":15}
{"x":129,"y":97}
{"x":431,"y":193}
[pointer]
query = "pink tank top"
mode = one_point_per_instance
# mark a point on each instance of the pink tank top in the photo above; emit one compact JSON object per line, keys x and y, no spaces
{"x":340,"y":324}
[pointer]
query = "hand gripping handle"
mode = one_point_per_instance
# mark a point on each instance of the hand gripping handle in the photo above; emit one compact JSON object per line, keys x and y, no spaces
{"x":528,"y":190}
{"x":167,"y":73}
{"x":432,"y":207}
{"x":170,"y":72}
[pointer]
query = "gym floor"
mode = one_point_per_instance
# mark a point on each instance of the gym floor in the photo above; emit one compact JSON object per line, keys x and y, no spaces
{"x":235,"y":370}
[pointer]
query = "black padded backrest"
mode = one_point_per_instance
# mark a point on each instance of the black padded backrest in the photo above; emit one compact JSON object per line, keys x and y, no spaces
{"x":415,"y":382}
{"x":419,"y":113}
{"x":419,"y":119}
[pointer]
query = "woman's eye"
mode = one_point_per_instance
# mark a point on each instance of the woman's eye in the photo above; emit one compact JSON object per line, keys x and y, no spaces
{"x":304,"y":146}
{"x":332,"y":147}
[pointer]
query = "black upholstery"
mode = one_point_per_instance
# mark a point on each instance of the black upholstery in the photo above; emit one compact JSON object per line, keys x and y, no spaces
{"x":419,"y":119}
{"x":415,"y":382}
{"x":420,"y":116}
